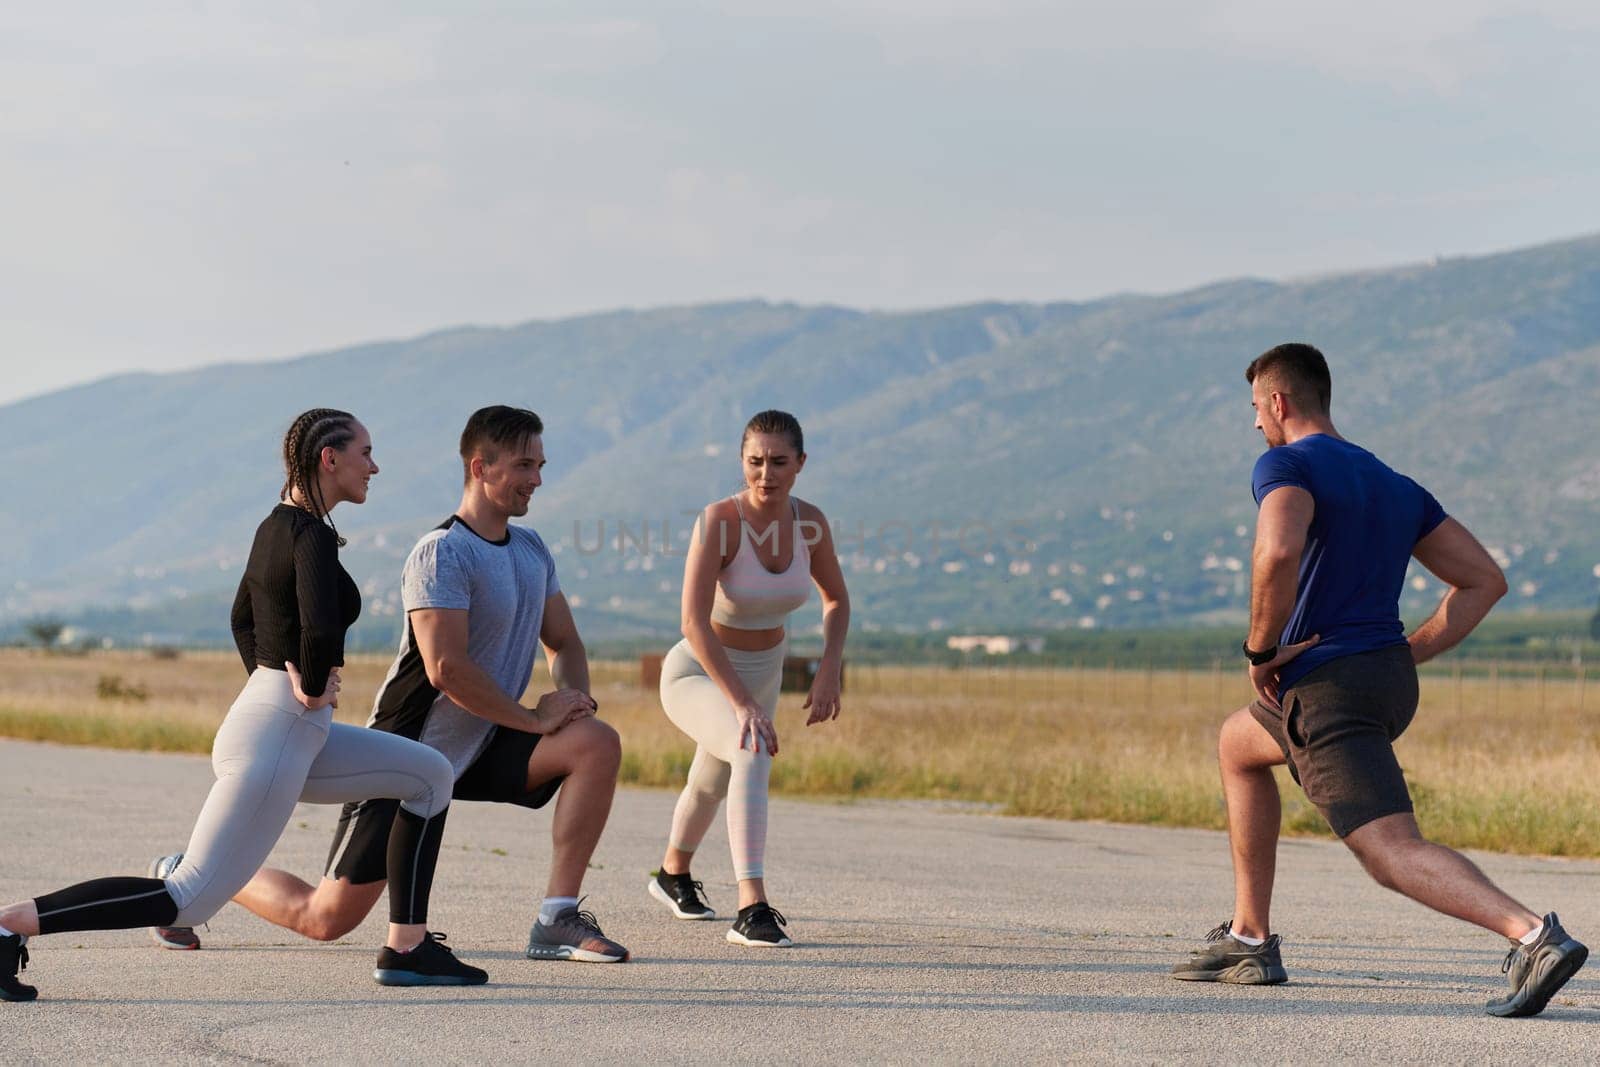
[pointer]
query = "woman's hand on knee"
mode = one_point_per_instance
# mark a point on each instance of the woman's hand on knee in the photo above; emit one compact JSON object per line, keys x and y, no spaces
{"x":757,"y":732}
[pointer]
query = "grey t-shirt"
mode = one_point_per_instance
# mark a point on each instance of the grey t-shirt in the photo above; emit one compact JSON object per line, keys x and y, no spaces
{"x":502,"y":586}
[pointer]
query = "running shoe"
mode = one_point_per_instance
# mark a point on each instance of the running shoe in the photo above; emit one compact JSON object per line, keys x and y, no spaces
{"x":1538,"y":970}
{"x":573,"y":935}
{"x":182,"y":938}
{"x":430,"y":963}
{"x":682,"y":895}
{"x":1224,"y":958}
{"x":761,"y":926}
{"x":14,"y":957}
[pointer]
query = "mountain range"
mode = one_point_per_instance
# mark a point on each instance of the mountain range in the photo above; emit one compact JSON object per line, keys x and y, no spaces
{"x":987,"y":467}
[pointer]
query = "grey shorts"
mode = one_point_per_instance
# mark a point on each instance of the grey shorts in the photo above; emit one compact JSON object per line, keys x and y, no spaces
{"x":1337,"y":731}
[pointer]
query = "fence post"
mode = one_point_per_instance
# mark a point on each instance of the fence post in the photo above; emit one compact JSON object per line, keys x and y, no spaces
{"x":1494,"y":687}
{"x":1455,"y":679}
{"x":1538,"y":675}
{"x":1111,"y":683}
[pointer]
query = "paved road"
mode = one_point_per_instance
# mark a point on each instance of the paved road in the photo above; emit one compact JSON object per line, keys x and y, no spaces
{"x":927,"y":935}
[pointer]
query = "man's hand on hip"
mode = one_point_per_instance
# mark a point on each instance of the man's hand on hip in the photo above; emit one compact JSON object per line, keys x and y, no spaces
{"x":1264,"y":678}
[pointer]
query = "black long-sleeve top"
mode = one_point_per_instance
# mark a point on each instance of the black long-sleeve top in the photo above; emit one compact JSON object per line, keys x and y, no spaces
{"x":295,"y":600}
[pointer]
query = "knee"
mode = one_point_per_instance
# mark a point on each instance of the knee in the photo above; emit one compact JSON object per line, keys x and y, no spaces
{"x":439,"y":781}
{"x":1378,"y":867}
{"x":708,"y":788}
{"x":748,"y":765}
{"x":588,"y":748}
{"x":325,"y":926}
{"x":1379,"y":861}
{"x":602,"y":744}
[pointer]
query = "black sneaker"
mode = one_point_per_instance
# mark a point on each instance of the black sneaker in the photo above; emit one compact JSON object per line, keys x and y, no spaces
{"x":681,"y":894}
{"x":430,"y":963}
{"x":1538,"y":970}
{"x":14,"y":957}
{"x":760,"y":925}
{"x":1224,"y":958}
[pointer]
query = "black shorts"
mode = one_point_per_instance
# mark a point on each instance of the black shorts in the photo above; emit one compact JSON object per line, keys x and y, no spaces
{"x":1337,"y":730}
{"x":500,"y":774}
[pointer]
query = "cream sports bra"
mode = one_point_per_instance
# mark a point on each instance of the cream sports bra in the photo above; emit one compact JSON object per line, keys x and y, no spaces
{"x":750,"y":597}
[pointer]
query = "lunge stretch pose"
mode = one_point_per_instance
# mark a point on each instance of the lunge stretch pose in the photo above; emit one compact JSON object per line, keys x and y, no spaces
{"x":480,"y":596}
{"x":1336,"y":683}
{"x":279,"y":745}
{"x":751,"y":562}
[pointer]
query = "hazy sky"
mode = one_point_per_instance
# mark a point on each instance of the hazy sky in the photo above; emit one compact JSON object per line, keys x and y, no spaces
{"x":183,"y":183}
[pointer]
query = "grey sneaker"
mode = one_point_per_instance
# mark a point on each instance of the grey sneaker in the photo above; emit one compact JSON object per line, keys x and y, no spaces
{"x":1538,"y":970}
{"x":682,"y":894}
{"x":1224,"y":958}
{"x":573,"y":935}
{"x":182,"y":938}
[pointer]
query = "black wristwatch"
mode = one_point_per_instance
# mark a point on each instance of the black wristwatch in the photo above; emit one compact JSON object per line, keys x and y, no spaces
{"x":1258,"y":659}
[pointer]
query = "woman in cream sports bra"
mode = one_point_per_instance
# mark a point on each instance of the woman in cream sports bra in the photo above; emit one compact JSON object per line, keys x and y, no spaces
{"x":752,"y":561}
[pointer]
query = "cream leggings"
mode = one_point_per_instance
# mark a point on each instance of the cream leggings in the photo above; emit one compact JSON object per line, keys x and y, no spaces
{"x":721,"y":768}
{"x":270,"y":754}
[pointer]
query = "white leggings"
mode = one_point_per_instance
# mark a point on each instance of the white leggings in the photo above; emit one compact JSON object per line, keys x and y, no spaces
{"x":721,"y":768}
{"x":269,"y":755}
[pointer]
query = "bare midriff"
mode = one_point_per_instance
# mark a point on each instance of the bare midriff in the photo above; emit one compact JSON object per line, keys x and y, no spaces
{"x":747,"y":640}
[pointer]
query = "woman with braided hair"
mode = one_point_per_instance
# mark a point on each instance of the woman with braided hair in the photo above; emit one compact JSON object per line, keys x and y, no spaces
{"x":278,"y":744}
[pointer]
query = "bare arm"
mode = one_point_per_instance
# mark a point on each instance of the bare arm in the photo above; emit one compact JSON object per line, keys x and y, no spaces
{"x":441,"y":636}
{"x":563,"y":648}
{"x":823,"y":699}
{"x":1281,"y":529}
{"x":705,"y":560}
{"x":1456,"y":558}
{"x":708,"y":554}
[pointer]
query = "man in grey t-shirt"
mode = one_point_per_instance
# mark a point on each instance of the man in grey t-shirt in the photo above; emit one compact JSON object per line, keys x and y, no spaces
{"x":481,"y":596}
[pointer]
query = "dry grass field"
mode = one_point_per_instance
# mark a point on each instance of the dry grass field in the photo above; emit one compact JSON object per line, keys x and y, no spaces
{"x":1510,"y":764}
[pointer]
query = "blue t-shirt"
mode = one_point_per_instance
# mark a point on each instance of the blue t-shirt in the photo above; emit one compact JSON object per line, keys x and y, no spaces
{"x":1368,"y":519}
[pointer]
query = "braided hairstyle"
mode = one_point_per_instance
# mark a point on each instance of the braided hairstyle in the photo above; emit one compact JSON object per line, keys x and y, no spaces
{"x":308,"y":435}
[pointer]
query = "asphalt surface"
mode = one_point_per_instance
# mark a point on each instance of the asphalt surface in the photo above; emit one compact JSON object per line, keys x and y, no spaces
{"x":925,"y":934}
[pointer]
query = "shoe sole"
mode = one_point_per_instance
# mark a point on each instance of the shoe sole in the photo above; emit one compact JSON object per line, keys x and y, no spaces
{"x":672,"y":905}
{"x":173,"y":945}
{"x":739,"y":939}
{"x":412,"y":978}
{"x":1249,"y":972}
{"x":1559,"y":974}
{"x":569,"y":952}
{"x":150,"y":872}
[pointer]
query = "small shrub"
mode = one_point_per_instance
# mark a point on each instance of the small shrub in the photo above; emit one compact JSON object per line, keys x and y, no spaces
{"x":164,"y":652}
{"x":112,"y":687}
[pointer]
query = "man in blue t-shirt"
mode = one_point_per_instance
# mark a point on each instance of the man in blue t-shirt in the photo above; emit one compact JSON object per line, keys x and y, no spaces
{"x":1336,"y":682}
